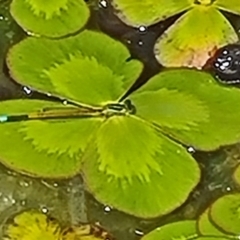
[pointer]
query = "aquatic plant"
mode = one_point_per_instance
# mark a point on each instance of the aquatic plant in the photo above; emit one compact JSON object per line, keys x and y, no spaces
{"x":128,"y":147}
{"x":219,"y":221}
{"x":194,"y":37}
{"x":51,"y":18}
{"x":33,"y":225}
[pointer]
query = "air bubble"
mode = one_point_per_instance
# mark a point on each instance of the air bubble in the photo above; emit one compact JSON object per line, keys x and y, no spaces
{"x":103,"y":4}
{"x":191,"y":150}
{"x":65,"y":102}
{"x":139,"y":232}
{"x":107,"y":209}
{"x":24,"y":184}
{"x":27,"y":90}
{"x":44,"y":210}
{"x":228,"y":189}
{"x":142,"y":29}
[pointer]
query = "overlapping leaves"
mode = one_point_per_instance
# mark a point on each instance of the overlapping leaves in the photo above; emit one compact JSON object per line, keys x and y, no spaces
{"x":192,"y":39}
{"x":219,"y":221}
{"x":130,"y":160}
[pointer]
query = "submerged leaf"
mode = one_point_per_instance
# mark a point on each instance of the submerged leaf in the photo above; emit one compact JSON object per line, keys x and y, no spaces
{"x":193,"y":39}
{"x":52,"y":18}
{"x":184,"y":230}
{"x":133,"y":166}
{"x":225,"y":213}
{"x":211,"y":116}
{"x":32,"y":225}
{"x":42,"y":149}
{"x":81,"y":67}
{"x":148,"y":12}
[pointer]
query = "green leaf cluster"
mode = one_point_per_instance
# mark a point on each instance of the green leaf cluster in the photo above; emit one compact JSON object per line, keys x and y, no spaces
{"x":220,"y":221}
{"x":192,"y":39}
{"x":134,"y":159}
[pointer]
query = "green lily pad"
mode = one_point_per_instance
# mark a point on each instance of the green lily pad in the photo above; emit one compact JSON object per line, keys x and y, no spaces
{"x":43,"y":149}
{"x":52,"y":18}
{"x":232,"y":6}
{"x":148,"y":12}
{"x":206,"y":227}
{"x":225,"y":212}
{"x":80,"y":68}
{"x":200,"y":117}
{"x":192,"y":40}
{"x":184,"y":230}
{"x":138,"y":168}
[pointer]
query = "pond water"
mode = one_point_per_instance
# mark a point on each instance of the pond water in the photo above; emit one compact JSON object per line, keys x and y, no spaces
{"x":67,"y":200}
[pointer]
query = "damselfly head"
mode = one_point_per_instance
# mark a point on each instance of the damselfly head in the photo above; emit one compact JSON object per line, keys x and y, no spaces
{"x":120,"y":108}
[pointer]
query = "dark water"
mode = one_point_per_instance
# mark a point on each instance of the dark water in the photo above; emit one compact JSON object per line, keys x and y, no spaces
{"x":67,"y":200}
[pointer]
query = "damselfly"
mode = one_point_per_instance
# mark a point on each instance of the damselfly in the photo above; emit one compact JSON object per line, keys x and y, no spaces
{"x":80,"y":111}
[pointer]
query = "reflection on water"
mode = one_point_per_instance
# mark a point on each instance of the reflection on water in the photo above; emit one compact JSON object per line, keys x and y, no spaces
{"x":66,"y":200}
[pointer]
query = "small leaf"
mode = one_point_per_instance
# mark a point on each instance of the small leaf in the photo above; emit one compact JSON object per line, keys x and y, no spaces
{"x":148,"y":12}
{"x":206,"y":227}
{"x":237,"y":175}
{"x":43,"y":149}
{"x":130,"y":166}
{"x":31,"y":225}
{"x":225,"y":212}
{"x":232,"y":6}
{"x":184,"y":230}
{"x":80,"y":67}
{"x":52,"y":18}
{"x":192,"y":39}
{"x":199,"y":116}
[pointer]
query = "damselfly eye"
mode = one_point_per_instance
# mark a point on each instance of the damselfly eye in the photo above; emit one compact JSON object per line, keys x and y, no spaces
{"x":226,"y":64}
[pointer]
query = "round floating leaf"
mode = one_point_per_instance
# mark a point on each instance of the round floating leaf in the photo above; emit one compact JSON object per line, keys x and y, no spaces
{"x":183,"y":230}
{"x":232,"y":6}
{"x":225,"y":212}
{"x":237,"y":175}
{"x":52,"y":18}
{"x":43,"y":148}
{"x":32,"y":225}
{"x":80,"y":67}
{"x":206,"y":228}
{"x":191,"y":107}
{"x":193,"y":39}
{"x":132,"y":167}
{"x":148,"y":12}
